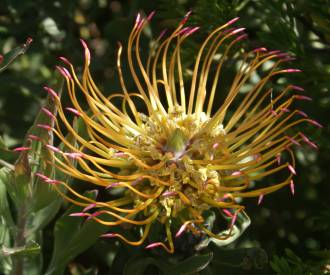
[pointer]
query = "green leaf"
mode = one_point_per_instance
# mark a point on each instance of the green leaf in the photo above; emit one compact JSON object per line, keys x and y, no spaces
{"x":139,"y":264}
{"x":6,"y":222}
{"x":191,"y":265}
{"x":206,"y":271}
{"x":293,"y":257}
{"x":72,"y":235}
{"x":43,"y":216}
{"x":291,"y":264}
{"x":5,"y":262}
{"x":253,"y":258}
{"x":19,"y":186}
{"x":6,"y":179}
{"x":32,"y":248}
{"x":76,"y":269}
{"x":6,"y":154}
{"x":9,"y":57}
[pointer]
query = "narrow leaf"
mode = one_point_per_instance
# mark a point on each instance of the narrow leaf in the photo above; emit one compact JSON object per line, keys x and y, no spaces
{"x":9,"y":57}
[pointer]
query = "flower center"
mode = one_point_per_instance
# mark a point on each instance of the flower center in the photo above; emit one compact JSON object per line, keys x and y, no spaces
{"x":175,"y":141}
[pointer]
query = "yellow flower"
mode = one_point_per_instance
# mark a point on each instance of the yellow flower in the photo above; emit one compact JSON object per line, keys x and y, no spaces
{"x":182,"y":153}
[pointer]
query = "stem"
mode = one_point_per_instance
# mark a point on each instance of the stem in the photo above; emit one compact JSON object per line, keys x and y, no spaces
{"x":6,"y":164}
{"x":20,"y":241}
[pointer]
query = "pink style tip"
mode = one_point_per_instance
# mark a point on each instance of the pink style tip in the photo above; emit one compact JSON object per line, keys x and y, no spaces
{"x":280,"y":55}
{"x":21,"y":149}
{"x":291,"y":169}
{"x":169,"y":193}
{"x":88,"y":207}
{"x":313,"y":145}
{"x":292,"y":187}
{"x":273,"y":112}
{"x":83,"y":43}
{"x":74,"y":155}
{"x":241,"y":37}
{"x":138,"y":19}
{"x":162,"y":34}
{"x":74,"y":111}
{"x":42,"y":176}
{"x":140,"y":25}
{"x":292,"y":71}
{"x":151,"y":15}
{"x":233,"y":220}
{"x":53,"y":148}
{"x":45,"y":126}
{"x":293,"y":140}
{"x":67,"y":72}
{"x":309,"y":142}
{"x":184,"y":30}
{"x":288,"y":59}
{"x":303,"y":97}
{"x":314,"y":122}
{"x":153,"y":245}
{"x":51,"y":92}
{"x":109,"y":235}
{"x":273,"y":52}
{"x":304,"y":137}
{"x":46,"y":179}
{"x":95,"y":214}
{"x":65,"y":60}
{"x":79,"y":214}
{"x":261,"y":49}
{"x":87,"y":52}
{"x":237,"y":30}
{"x":237,"y":173}
{"x":191,"y":31}
{"x":226,"y":31}
{"x":64,"y":72}
{"x":186,"y":17}
{"x":260,"y":199}
{"x":285,"y":110}
{"x":301,"y":113}
{"x":227,"y":213}
{"x":232,"y":21}
{"x":297,"y":88}
{"x":215,"y":146}
{"x":48,"y":113}
{"x":181,"y":230}
{"x":34,"y":137}
{"x":51,"y":181}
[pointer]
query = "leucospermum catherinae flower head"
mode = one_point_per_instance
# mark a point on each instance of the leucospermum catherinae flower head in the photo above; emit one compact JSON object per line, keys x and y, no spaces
{"x":185,"y":152}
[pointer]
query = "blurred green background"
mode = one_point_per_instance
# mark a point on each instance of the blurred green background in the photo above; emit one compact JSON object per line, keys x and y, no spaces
{"x":301,"y":27}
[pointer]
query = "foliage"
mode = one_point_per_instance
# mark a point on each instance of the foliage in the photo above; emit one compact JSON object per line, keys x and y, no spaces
{"x":291,"y":264}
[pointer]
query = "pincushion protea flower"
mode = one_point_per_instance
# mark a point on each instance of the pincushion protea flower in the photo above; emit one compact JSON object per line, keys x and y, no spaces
{"x":185,"y":154}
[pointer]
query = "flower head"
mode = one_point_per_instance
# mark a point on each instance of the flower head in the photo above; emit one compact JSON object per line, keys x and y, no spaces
{"x":183,"y":153}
